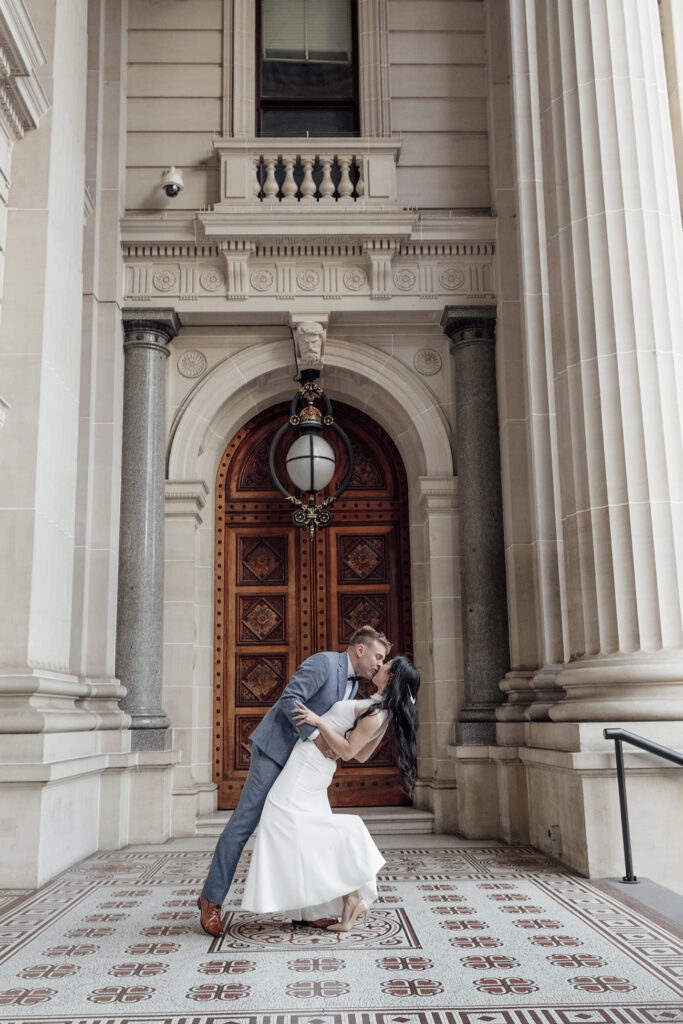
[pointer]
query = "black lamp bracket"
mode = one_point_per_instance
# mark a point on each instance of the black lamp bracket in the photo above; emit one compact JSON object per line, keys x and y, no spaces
{"x":311,"y":514}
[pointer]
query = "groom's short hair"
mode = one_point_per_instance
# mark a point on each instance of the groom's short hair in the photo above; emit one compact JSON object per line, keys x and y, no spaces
{"x":366,"y":634}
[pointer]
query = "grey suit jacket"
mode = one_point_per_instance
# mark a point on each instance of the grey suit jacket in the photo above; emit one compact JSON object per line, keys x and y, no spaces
{"x":319,"y":682}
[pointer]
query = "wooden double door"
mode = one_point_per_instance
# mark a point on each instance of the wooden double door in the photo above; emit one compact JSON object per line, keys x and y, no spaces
{"x":280,"y":596}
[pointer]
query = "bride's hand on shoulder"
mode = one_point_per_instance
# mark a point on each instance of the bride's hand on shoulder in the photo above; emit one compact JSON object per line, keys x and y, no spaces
{"x":304,"y":716}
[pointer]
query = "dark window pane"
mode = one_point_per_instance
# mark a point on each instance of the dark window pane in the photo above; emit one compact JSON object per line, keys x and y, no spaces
{"x":307,"y":68}
{"x":300,"y":120}
{"x":283,"y":79}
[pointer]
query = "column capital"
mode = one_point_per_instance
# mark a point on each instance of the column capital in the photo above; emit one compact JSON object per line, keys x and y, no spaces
{"x":466,"y":324}
{"x":158,"y":320}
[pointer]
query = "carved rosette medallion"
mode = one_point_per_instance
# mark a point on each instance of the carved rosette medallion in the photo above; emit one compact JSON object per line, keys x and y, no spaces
{"x":211,"y":280}
{"x":192,"y":364}
{"x":427,"y":362}
{"x":405,"y":279}
{"x":452,"y":279}
{"x":164,"y":280}
{"x":308,"y":280}
{"x":262,"y":280}
{"x":355,"y":279}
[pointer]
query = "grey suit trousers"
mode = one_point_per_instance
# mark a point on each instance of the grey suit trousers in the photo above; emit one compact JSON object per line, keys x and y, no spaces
{"x":263,"y":772}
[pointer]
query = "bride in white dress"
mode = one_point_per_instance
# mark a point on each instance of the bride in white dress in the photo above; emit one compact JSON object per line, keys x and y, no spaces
{"x":309,"y":863}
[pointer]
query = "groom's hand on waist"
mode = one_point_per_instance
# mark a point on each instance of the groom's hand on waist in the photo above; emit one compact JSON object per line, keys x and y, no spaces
{"x":323,"y":748}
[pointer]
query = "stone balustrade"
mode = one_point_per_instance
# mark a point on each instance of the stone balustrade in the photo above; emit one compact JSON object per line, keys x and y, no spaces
{"x":321,"y":172}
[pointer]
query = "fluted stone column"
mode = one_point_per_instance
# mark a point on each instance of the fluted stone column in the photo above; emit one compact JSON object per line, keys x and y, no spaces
{"x":140,"y":614}
{"x":615,"y":266}
{"x":482,"y":550}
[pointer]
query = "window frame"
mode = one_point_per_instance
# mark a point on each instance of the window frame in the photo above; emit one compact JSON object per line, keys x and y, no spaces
{"x":323,"y":103}
{"x":239,"y":76}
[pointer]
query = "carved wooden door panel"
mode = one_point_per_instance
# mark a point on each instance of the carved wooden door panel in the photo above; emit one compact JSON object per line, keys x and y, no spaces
{"x":280,"y":597}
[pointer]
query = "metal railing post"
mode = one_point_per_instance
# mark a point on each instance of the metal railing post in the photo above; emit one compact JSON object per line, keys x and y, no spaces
{"x":623,"y":807}
{"x":623,"y":736}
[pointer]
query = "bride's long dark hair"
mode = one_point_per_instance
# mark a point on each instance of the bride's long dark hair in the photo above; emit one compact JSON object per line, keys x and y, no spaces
{"x":400,"y":701}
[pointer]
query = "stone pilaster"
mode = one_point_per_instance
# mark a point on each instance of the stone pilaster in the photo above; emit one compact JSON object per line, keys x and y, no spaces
{"x":615,"y":265}
{"x":140,"y":615}
{"x":482,"y":551}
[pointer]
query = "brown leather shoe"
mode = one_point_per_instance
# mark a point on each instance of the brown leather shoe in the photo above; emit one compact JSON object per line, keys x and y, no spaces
{"x":210,"y":917}
{"x":322,"y":922}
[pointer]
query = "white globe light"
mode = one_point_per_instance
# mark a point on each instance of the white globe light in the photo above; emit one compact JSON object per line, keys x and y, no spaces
{"x":310,"y":463}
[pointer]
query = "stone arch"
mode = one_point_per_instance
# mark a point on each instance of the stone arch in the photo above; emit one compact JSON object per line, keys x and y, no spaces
{"x":236,"y":390}
{"x":239,"y":387}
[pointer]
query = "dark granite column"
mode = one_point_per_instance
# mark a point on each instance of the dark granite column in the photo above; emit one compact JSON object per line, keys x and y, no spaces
{"x":140,"y":612}
{"x":482,"y":551}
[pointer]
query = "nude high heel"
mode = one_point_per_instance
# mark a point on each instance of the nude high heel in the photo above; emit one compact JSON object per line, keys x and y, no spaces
{"x":346,"y":926}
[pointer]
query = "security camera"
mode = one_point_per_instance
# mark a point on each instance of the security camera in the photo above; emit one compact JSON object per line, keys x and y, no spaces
{"x":172,"y":181}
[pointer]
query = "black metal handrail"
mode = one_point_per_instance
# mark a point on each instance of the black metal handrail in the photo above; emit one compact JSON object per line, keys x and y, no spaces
{"x":621,"y":736}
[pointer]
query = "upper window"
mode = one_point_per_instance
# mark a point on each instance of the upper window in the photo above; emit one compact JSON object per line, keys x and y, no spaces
{"x":307,"y":74}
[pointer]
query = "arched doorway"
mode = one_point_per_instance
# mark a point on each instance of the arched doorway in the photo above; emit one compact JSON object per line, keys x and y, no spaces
{"x":280,"y":598}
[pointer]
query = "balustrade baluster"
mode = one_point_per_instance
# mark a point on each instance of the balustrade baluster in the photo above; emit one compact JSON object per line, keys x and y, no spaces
{"x":256,"y":184}
{"x":326,"y":185}
{"x":360,"y":184}
{"x":307,"y":185}
{"x":345,"y":183}
{"x":289,"y":184}
{"x":270,"y":186}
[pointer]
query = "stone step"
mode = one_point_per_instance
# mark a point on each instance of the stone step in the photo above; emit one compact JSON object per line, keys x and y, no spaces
{"x":380,"y":821}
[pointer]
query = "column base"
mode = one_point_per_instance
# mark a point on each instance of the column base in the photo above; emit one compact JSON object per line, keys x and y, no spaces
{"x":530,"y":695}
{"x":441,"y":799}
{"x":35,"y":700}
{"x":573,"y":798}
{"x":476,"y":724}
{"x":519,"y":693}
{"x":622,"y":687}
{"x":142,"y":738}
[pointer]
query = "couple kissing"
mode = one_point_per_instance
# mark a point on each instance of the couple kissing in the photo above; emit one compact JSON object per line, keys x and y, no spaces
{"x":314,"y":866}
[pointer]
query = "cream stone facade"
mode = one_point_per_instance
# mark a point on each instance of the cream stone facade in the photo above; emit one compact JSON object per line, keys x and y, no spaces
{"x":504,"y":236}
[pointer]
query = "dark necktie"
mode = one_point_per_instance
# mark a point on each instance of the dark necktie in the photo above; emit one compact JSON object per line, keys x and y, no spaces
{"x":353,"y":679}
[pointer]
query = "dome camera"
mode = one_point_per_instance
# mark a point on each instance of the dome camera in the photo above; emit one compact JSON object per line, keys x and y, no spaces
{"x":172,"y":181}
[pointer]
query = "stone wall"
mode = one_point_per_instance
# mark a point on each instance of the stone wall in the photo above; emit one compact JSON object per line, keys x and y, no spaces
{"x":191,"y":70}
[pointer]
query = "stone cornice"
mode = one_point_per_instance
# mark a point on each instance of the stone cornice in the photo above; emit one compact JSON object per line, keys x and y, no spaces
{"x":302,"y":226}
{"x":265,"y":260}
{"x":16,"y":29}
{"x":186,"y":499}
{"x":261,"y":222}
{"x":22,"y":98}
{"x":439,"y":493}
{"x":31,"y":100}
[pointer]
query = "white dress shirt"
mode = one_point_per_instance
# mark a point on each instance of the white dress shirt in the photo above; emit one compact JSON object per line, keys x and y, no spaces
{"x":347,"y":692}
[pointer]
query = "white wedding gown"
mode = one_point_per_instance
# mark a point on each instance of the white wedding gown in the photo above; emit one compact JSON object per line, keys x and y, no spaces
{"x":306,"y":858}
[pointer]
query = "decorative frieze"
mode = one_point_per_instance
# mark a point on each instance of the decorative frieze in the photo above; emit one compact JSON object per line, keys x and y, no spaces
{"x":378,"y":273}
{"x":365,"y":257}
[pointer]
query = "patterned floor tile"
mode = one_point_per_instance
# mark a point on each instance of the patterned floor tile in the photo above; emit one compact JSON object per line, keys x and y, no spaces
{"x":459,"y":935}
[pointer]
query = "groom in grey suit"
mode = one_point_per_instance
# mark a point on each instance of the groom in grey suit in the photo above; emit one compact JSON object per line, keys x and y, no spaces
{"x":319,"y":682}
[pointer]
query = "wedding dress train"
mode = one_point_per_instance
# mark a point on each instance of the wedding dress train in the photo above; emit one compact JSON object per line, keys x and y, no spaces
{"x":306,"y":858}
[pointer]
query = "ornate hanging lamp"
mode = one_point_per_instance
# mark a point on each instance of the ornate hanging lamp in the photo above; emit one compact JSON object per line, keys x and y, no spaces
{"x":310,"y":460}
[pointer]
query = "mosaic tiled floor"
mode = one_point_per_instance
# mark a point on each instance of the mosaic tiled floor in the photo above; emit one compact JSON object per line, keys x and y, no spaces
{"x":462,"y":934}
